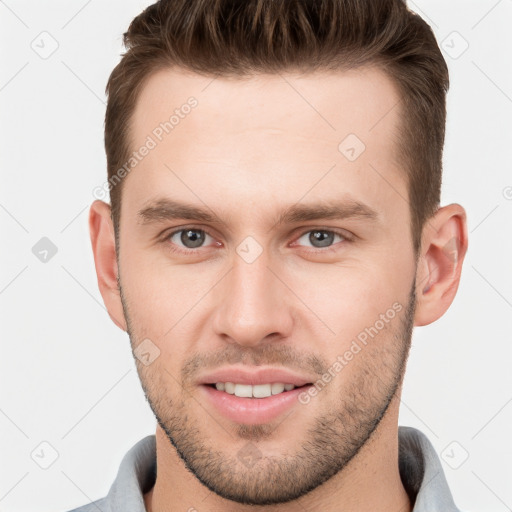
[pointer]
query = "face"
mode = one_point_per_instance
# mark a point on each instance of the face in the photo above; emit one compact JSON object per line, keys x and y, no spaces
{"x":301,"y":260}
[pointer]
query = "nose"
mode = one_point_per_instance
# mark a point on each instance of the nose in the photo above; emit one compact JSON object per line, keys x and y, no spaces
{"x":252,"y":304}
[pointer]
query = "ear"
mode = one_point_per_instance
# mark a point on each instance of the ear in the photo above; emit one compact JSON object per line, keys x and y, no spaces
{"x":101,"y":229}
{"x":443,"y":247}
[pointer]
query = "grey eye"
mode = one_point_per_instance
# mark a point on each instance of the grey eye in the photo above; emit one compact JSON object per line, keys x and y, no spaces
{"x":321,"y":237}
{"x":190,"y":238}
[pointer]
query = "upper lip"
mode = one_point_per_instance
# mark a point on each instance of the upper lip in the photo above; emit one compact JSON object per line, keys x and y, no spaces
{"x":255,"y":376}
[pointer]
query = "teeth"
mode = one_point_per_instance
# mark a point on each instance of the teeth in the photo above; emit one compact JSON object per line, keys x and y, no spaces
{"x":257,"y":391}
{"x":279,"y":388}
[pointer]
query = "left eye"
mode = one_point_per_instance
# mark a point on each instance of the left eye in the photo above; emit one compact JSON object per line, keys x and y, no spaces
{"x":321,"y":237}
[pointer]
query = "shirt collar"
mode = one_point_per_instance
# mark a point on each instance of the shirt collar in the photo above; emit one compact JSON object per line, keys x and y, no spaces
{"x":422,"y":474}
{"x":420,"y":470}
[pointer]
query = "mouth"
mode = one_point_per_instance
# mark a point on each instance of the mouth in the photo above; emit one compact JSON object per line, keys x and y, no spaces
{"x":259,"y":391}
{"x":252,"y":410}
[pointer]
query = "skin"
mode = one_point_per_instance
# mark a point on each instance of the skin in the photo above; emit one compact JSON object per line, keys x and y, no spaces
{"x":249,"y":150}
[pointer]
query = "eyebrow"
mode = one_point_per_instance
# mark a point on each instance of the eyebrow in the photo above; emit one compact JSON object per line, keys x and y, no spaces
{"x":165,"y":209}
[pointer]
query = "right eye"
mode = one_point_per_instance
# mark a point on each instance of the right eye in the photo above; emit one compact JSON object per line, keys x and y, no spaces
{"x":190,"y":238}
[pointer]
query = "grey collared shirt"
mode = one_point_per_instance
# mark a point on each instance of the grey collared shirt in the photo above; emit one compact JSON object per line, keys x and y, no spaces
{"x":420,"y":470}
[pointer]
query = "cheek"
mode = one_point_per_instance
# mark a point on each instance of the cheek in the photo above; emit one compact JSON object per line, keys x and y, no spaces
{"x":159,"y":292}
{"x":350,"y":299}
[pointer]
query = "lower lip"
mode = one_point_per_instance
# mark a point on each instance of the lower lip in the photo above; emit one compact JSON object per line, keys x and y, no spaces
{"x":252,"y":411}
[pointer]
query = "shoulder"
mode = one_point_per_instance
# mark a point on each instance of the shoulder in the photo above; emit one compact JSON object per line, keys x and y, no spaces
{"x":100,"y":505}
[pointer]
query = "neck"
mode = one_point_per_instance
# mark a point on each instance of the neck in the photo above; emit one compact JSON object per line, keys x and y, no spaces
{"x":370,"y":482}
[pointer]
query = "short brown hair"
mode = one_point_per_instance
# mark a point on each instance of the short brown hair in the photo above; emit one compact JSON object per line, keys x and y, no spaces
{"x":244,"y":37}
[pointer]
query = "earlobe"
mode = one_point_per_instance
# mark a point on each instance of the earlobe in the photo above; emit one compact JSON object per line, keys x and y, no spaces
{"x":103,"y":246}
{"x":444,"y":245}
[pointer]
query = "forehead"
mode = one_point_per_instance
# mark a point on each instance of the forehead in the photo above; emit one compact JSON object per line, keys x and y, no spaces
{"x":333,"y":103}
{"x":271,"y":134}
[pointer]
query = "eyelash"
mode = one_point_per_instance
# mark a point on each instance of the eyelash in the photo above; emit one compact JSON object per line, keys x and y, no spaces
{"x":346,"y":237}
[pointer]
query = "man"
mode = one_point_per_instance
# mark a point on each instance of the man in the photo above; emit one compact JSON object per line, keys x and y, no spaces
{"x":273,"y":237}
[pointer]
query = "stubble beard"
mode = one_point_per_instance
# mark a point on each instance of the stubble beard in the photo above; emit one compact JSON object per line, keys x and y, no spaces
{"x":327,"y":446}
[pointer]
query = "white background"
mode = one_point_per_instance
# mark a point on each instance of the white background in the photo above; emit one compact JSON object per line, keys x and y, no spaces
{"x":67,"y":373}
